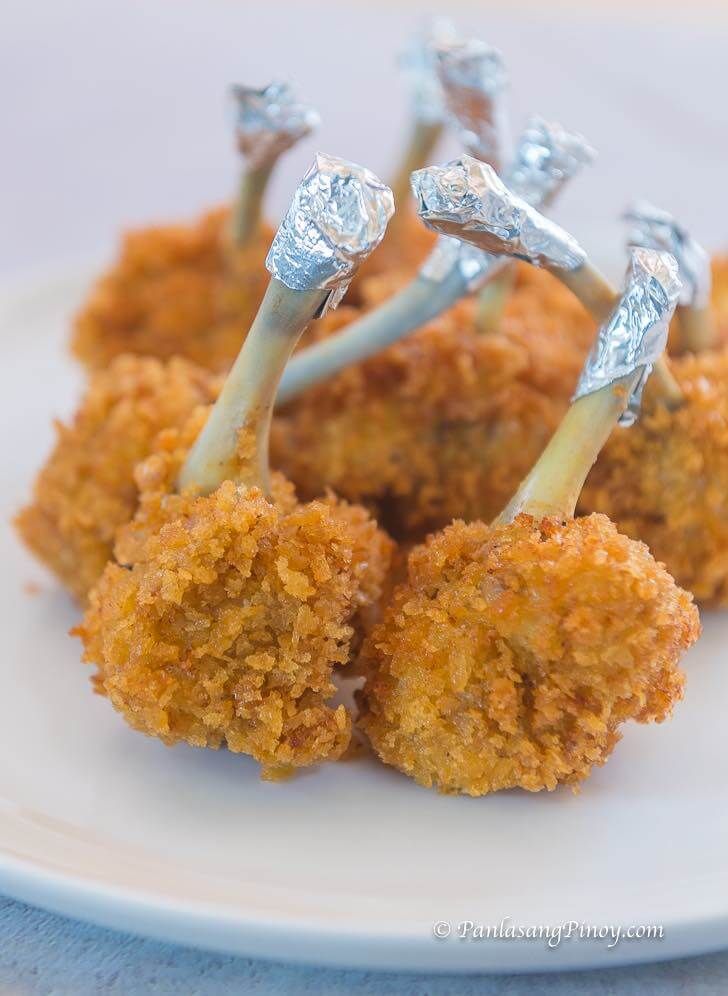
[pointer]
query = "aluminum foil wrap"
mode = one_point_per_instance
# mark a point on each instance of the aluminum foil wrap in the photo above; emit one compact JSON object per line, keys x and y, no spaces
{"x":546,"y":157}
{"x":653,"y":228}
{"x":269,"y":121}
{"x":338,"y":215}
{"x":467,"y":200}
{"x":473,"y":79}
{"x":636,"y":333}
{"x":418,"y":64}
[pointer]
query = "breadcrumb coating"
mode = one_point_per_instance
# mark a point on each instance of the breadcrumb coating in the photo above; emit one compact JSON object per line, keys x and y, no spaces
{"x":445,"y":423}
{"x":665,"y":479}
{"x":513,"y":654}
{"x":175,"y":290}
{"x":231,"y":613}
{"x":86,"y":488}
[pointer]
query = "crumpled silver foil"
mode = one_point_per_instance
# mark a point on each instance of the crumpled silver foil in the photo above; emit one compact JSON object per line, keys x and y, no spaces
{"x":338,"y":215}
{"x":546,"y":157}
{"x":467,"y":200}
{"x":636,"y":333}
{"x":653,"y":228}
{"x":418,"y":65}
{"x":473,"y":79}
{"x":269,"y":121}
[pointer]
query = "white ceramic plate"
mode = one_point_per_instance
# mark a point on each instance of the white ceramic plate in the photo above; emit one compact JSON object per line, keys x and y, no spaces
{"x":348,"y":865}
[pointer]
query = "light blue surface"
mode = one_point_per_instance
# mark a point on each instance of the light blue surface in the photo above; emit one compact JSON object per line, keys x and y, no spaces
{"x":43,"y":954}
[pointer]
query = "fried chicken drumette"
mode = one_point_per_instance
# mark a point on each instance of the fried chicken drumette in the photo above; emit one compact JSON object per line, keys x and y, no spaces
{"x":445,"y":423}
{"x":666,"y":480}
{"x":175,"y":290}
{"x":236,"y":609}
{"x":231,"y":603}
{"x":514,"y":652}
{"x":86,"y":489}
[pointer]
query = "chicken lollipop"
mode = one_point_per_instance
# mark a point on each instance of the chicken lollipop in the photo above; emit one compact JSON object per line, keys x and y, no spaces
{"x":192,"y":290}
{"x":666,"y":481}
{"x":514,"y":652}
{"x":231,"y":603}
{"x":445,"y":423}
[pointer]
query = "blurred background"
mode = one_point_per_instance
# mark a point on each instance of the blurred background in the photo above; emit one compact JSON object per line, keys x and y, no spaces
{"x":114,"y":113}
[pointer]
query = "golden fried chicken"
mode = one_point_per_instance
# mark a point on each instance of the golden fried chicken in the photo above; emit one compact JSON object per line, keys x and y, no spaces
{"x":86,"y":488}
{"x":230,"y":613}
{"x":513,"y":654}
{"x":665,"y":481}
{"x":176,"y":290}
{"x":231,"y":604}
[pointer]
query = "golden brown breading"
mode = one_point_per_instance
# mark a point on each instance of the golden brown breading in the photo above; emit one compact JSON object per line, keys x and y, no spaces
{"x":86,"y":488}
{"x":665,"y":480}
{"x":175,"y":290}
{"x":445,"y":423}
{"x":514,"y":653}
{"x":231,"y":614}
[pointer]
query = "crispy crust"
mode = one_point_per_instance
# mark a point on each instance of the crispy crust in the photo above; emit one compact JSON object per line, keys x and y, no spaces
{"x":665,"y":480}
{"x":175,"y":290}
{"x":512,"y":655}
{"x":231,"y":613}
{"x":86,"y":488}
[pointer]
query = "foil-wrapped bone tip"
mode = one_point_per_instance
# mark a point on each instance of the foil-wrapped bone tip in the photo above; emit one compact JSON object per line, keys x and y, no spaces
{"x":337,"y":217}
{"x":269,"y":121}
{"x":635,"y":334}
{"x":651,"y":227}
{"x":466,"y":199}
{"x":547,"y":155}
{"x":473,"y":79}
{"x":472,"y":64}
{"x":418,"y":65}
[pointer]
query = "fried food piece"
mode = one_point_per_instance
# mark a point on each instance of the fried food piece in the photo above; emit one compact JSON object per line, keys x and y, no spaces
{"x":445,"y":423}
{"x":513,"y":654}
{"x":234,"y":611}
{"x":175,"y":290}
{"x":665,"y":480}
{"x":86,"y":489}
